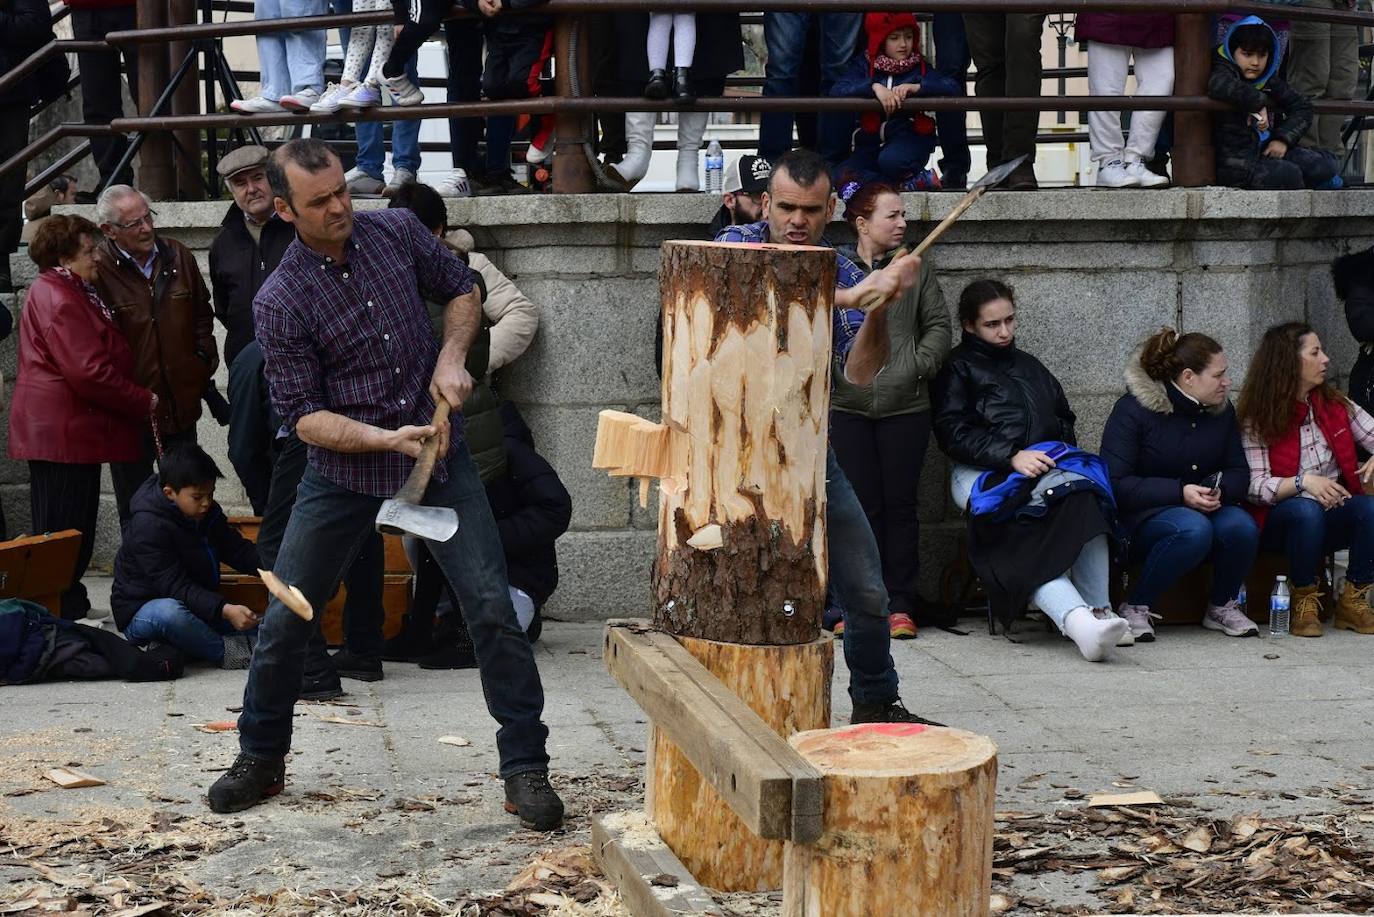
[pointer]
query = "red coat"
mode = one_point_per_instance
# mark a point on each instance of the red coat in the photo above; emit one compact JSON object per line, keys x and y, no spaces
{"x":75,"y":400}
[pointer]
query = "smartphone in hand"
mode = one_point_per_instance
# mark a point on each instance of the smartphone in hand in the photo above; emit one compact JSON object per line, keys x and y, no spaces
{"x":1212,"y":483}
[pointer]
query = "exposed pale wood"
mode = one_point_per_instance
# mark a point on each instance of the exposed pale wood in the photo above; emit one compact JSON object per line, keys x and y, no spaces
{"x":290,"y":596}
{"x":69,"y":778}
{"x":1141,"y":798}
{"x":789,"y":688}
{"x":628,"y":445}
{"x":707,"y":538}
{"x":908,"y":824}
{"x":757,"y":774}
{"x":746,"y":375}
{"x":635,"y":859}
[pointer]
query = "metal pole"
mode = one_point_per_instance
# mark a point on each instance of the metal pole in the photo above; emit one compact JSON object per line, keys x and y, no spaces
{"x":156,"y":177}
{"x":1194,"y":158}
{"x":572,"y":172}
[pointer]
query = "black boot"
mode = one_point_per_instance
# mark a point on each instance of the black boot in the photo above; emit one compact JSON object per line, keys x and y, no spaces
{"x":452,"y":647}
{"x":530,"y":796}
{"x":891,"y":712}
{"x":319,"y":681}
{"x":658,"y":87}
{"x":357,"y":666}
{"x":248,"y":782}
{"x":682,"y":86}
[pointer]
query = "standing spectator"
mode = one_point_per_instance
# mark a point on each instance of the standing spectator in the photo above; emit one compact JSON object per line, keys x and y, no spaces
{"x":952,"y":60}
{"x":25,"y":26}
{"x":1353,"y":276}
{"x":519,"y":48}
{"x":246,"y":249}
{"x":292,"y":62}
{"x":1006,"y":51}
{"x":1114,"y":40}
{"x":880,"y":432}
{"x":76,"y":403}
{"x":102,"y":87}
{"x":366,"y":50}
{"x":784,"y":34}
{"x":1324,"y":63}
{"x":464,"y":40}
{"x":163,"y":307}
{"x":682,"y":27}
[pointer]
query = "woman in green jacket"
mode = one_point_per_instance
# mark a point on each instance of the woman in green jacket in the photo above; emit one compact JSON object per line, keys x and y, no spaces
{"x":880,"y":431}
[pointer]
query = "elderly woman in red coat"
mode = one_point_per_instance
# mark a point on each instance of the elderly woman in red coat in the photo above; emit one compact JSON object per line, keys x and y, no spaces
{"x":76,"y":405}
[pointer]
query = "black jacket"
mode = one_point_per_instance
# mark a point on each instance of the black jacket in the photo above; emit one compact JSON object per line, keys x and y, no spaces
{"x":25,"y":26}
{"x":1157,"y":439}
{"x":989,"y":403}
{"x":532,"y":509}
{"x":1353,"y":276}
{"x":238,"y":267}
{"x":167,"y":555}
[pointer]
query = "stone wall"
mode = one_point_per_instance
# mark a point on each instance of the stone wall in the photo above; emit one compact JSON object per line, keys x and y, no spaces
{"x":1095,"y":272}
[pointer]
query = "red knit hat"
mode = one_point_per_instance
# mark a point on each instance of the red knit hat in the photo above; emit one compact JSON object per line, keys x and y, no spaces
{"x":880,"y":25}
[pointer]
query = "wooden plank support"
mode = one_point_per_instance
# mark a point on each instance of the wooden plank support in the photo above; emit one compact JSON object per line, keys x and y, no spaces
{"x":767,"y":783}
{"x":650,"y":878}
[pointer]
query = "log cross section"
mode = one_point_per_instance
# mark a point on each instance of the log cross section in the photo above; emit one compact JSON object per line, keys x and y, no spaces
{"x":767,"y":783}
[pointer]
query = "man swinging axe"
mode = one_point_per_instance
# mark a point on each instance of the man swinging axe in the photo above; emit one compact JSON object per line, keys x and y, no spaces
{"x":353,"y":366}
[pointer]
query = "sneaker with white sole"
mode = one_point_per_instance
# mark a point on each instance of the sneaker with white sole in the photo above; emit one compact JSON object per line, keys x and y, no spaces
{"x":1230,"y":620}
{"x":399,"y":178}
{"x":535,"y":154}
{"x":363,"y":95}
{"x":300,"y":101}
{"x":359,"y":182}
{"x":456,"y":185}
{"x":1113,"y":174}
{"x":403,"y":91}
{"x":1144,"y":177}
{"x":329,"y":102}
{"x":1106,"y":614}
{"x":1138,"y":617}
{"x":258,"y":105}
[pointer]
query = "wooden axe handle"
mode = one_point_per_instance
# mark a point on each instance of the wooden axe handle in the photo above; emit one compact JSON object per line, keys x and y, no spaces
{"x":413,"y":490}
{"x":948,"y":221}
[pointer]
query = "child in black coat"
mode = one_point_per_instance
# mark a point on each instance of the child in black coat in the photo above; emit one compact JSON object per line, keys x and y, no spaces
{"x":166,"y":575}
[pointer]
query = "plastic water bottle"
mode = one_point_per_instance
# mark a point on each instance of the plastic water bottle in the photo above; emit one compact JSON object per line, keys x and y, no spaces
{"x":715,"y":168}
{"x":1278,"y":608}
{"x":1240,"y":599}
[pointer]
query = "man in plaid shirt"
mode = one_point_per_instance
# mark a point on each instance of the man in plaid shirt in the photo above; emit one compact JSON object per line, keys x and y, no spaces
{"x":354,"y":368}
{"x":797,"y":207}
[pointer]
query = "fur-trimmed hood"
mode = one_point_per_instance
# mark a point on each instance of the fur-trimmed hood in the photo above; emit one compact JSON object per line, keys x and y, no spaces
{"x":1152,"y":394}
{"x":1354,"y":268}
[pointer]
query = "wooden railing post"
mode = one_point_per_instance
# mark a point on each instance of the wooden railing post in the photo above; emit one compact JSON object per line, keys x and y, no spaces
{"x":1194,"y":159}
{"x":156,"y":177}
{"x":572,"y":172}
{"x":186,"y":101}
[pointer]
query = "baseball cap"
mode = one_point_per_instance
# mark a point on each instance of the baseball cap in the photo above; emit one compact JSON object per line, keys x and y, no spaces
{"x":749,"y":174}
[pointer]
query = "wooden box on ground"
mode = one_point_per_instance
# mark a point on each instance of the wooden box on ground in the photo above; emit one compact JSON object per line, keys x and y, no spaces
{"x":39,"y":567}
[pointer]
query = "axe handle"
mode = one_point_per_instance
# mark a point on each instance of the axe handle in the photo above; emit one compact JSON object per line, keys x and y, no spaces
{"x":413,"y":490}
{"x":948,"y":221}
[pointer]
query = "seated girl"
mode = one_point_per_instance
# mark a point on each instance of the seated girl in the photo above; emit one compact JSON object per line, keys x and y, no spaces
{"x":1173,"y":448}
{"x":1041,"y":512}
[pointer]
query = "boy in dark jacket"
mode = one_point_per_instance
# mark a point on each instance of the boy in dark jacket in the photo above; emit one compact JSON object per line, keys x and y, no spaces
{"x":166,"y":574}
{"x":896,"y":145}
{"x":1257,"y":144}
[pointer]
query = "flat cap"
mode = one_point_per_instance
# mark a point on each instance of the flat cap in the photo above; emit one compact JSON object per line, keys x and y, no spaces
{"x":245,"y":157}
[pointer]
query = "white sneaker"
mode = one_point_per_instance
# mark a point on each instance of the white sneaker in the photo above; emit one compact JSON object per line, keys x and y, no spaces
{"x":300,"y":101}
{"x":456,"y":185}
{"x":255,"y":106}
{"x":1113,"y":174}
{"x":403,"y":91}
{"x":399,"y":178}
{"x":1106,"y":614}
{"x":535,"y":155}
{"x":1144,"y":177}
{"x":329,"y":102}
{"x":359,"y":182}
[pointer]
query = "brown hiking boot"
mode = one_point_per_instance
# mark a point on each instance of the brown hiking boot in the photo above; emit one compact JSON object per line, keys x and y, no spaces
{"x":1306,"y":607}
{"x":1353,"y":611}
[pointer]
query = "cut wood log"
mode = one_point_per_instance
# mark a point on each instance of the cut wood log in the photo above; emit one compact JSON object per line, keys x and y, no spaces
{"x":746,"y":376}
{"x":290,"y":596}
{"x":69,"y":778}
{"x":788,"y":687}
{"x":652,"y":882}
{"x":908,"y":824}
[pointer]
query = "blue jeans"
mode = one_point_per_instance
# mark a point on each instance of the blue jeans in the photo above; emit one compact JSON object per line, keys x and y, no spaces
{"x":328,"y":528}
{"x":1170,"y":543}
{"x":856,"y":584}
{"x":952,"y":59}
{"x":291,"y":61}
{"x":902,"y":154}
{"x":1302,"y":530}
{"x":785,"y":36}
{"x":170,"y":622}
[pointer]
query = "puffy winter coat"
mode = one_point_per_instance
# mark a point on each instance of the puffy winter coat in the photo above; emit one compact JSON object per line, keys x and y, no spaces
{"x":1353,"y":276}
{"x":991,"y":402}
{"x":1133,"y":30}
{"x":75,"y":400}
{"x":859,"y":76}
{"x":1157,"y":439}
{"x":532,"y":510}
{"x":238,"y":267}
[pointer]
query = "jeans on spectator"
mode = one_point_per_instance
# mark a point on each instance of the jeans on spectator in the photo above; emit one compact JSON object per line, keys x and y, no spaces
{"x":1301,"y":529}
{"x":252,"y":426}
{"x":952,"y":60}
{"x":464,"y":38}
{"x":326,"y":514}
{"x":291,"y":61}
{"x":1300,"y":168}
{"x":170,"y":622}
{"x":405,"y":139}
{"x":1170,"y":543}
{"x":62,"y":496}
{"x":856,"y":584}
{"x":902,"y":154}
{"x":1324,"y":64}
{"x":1006,"y":52}
{"x":1107,"y":70}
{"x":102,"y":89}
{"x":785,"y":37}
{"x":128,"y":477}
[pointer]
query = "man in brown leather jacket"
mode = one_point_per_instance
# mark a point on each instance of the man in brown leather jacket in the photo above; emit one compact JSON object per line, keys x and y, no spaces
{"x":159,"y":299}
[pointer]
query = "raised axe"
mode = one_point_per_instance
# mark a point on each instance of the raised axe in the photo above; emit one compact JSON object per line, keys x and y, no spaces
{"x":403,"y":514}
{"x":992,"y":179}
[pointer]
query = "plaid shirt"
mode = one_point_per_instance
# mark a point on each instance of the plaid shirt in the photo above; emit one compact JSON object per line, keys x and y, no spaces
{"x":844,"y":322}
{"x":355,"y":338}
{"x":1314,"y":455}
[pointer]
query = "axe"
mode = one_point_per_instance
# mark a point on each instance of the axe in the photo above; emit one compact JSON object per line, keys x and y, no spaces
{"x":403,"y":514}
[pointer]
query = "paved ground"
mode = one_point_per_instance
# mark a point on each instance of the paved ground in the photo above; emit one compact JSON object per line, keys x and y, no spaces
{"x":1275,"y":727}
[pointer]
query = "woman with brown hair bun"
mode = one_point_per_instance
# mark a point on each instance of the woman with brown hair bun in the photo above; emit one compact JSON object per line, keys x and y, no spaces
{"x":1173,"y":448}
{"x":1307,"y":487}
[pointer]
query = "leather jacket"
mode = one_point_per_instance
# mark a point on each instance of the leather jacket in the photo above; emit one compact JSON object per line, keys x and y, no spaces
{"x":991,"y":402}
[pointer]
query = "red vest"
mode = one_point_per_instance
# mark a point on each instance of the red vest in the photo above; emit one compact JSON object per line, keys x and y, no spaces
{"x":1333,"y":420}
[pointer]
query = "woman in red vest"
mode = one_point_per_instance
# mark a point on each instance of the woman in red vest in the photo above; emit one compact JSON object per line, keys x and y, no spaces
{"x":1307,"y":487}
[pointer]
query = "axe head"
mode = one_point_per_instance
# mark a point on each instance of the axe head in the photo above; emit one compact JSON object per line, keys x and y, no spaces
{"x":432,"y":523}
{"x":998,"y":174}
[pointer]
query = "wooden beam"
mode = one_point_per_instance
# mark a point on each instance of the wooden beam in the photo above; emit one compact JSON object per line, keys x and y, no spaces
{"x":772,"y":789}
{"x":653,"y":881}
